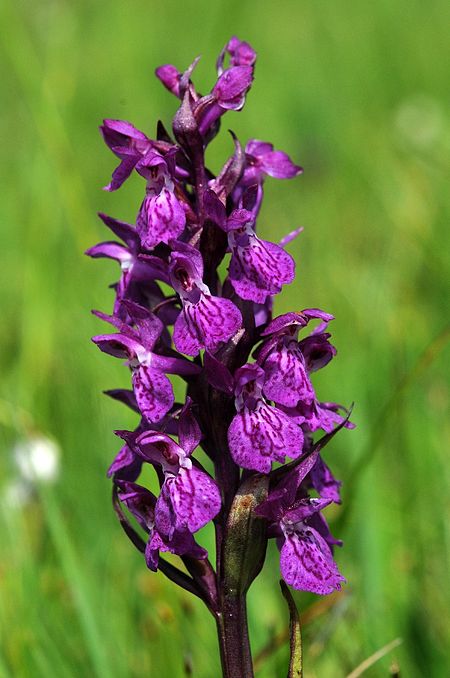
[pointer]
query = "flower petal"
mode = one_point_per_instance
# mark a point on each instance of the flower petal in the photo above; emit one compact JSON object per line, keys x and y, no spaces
{"x":154,"y":393}
{"x":259,"y":269}
{"x":188,"y":500}
{"x":307,"y":564}
{"x":258,"y":437}
{"x":286,"y":379}
{"x":160,"y":219}
{"x":205,"y":324}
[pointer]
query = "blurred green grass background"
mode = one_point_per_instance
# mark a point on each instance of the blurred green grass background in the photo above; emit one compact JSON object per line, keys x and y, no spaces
{"x":356,"y":92}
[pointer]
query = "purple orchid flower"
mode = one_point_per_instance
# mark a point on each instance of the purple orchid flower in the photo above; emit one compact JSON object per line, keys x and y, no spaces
{"x":128,"y":143}
{"x":258,"y":268}
{"x":228,"y":94}
{"x":240,"y":53}
{"x":152,"y":388}
{"x":161,"y":217}
{"x":262,"y":161}
{"x":170,"y":77}
{"x":205,"y":320}
{"x":259,"y":433}
{"x":189,"y":497}
{"x":287,"y":382}
{"x":306,"y":558}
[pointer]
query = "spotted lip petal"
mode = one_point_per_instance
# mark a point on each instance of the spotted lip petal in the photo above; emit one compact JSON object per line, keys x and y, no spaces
{"x":259,"y":268}
{"x":188,"y":500}
{"x":160,"y":219}
{"x":205,"y":324}
{"x":286,"y":380}
{"x":258,"y":437}
{"x":154,"y":393}
{"x":307,"y":564}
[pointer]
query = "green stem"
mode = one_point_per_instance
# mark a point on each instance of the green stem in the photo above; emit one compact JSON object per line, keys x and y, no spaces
{"x":232,"y":630}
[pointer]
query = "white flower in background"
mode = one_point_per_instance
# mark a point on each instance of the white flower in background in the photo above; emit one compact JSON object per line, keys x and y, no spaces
{"x":37,"y":459}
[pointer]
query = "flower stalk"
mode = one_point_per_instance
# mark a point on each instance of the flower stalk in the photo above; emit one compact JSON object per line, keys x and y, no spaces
{"x":250,"y":403}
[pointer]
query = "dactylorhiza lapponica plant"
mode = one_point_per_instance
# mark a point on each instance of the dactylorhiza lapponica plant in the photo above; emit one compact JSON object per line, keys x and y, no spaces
{"x":250,"y":404}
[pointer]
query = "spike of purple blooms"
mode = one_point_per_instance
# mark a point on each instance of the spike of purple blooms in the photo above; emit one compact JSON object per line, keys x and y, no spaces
{"x":250,"y":400}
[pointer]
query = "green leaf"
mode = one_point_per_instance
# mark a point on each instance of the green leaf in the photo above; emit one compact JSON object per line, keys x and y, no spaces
{"x":296,"y":661}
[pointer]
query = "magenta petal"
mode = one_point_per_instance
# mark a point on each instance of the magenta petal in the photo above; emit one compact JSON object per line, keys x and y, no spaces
{"x":205,"y":324}
{"x":232,"y":84}
{"x":185,"y":336}
{"x":188,"y":500}
{"x":189,"y":433}
{"x":124,"y":231}
{"x":122,"y":172}
{"x":260,"y":269}
{"x":118,"y":345}
{"x":281,"y":322}
{"x":148,"y":325}
{"x":154,"y":545}
{"x":286,"y":379}
{"x":258,"y":437}
{"x":324,"y":481}
{"x":154,"y":393}
{"x":317,"y":351}
{"x":278,"y":164}
{"x":170,"y":78}
{"x":307,"y":564}
{"x":289,"y":237}
{"x":179,"y":366}
{"x":126,"y":465}
{"x":241,"y":53}
{"x":119,"y":132}
{"x":160,"y":219}
{"x":283,"y":494}
{"x":258,"y":148}
{"x":110,"y":250}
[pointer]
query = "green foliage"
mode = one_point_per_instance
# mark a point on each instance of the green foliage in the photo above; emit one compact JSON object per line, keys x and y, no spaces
{"x":355,"y":92}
